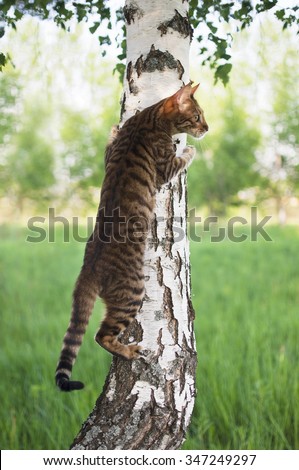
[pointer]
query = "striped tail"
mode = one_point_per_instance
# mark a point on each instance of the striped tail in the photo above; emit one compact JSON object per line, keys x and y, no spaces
{"x":84,"y":297}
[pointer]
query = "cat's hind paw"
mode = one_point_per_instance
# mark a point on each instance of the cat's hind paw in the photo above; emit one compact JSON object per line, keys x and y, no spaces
{"x":134,"y":351}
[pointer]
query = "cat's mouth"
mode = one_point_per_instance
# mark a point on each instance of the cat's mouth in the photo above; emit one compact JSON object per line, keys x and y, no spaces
{"x":202,"y":134}
{"x":199,"y":134}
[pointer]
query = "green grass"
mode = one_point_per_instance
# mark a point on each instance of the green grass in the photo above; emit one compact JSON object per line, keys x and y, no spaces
{"x":246,"y":296}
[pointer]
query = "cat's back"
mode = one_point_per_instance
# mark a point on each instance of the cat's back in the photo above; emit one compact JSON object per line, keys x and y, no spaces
{"x":130,"y":167}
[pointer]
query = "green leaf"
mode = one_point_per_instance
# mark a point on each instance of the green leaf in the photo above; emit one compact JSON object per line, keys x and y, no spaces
{"x":104,"y":40}
{"x":265,"y":5}
{"x":18,"y":14}
{"x":81,"y":13}
{"x":212,"y":27}
{"x":222,"y":72}
{"x":280,"y":14}
{"x":93,"y":28}
{"x":225,"y":11}
{"x":3,"y":60}
{"x":120,"y":68}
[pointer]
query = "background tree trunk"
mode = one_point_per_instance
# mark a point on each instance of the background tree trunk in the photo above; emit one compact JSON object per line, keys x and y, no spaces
{"x":147,"y":403}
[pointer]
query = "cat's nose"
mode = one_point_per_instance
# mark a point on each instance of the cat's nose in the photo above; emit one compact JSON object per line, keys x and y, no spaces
{"x":206,"y":127}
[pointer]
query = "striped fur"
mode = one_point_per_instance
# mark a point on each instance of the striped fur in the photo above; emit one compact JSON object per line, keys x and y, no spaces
{"x":139,"y":159}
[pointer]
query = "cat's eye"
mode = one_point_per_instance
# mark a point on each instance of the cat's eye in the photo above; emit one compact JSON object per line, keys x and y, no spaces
{"x":197,"y":117}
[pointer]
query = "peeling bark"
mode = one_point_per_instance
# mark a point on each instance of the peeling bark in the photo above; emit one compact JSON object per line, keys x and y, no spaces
{"x":147,"y":403}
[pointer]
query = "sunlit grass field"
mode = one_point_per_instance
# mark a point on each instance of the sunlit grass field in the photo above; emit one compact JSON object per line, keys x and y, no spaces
{"x":246,"y":297}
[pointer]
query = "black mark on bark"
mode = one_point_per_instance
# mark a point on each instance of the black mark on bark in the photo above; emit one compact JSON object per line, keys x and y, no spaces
{"x":181,"y":69}
{"x":132,"y":86}
{"x":169,"y":239}
{"x":190,"y":350}
{"x":182,"y":376}
{"x":131,"y":12}
{"x":160,"y":344}
{"x":159,"y":272}
{"x":123,"y":106}
{"x":158,"y":60}
{"x":154,"y":237}
{"x":178,"y":267}
{"x":158,"y":315}
{"x":170,"y":402}
{"x":184,"y":182}
{"x":168,"y":309}
{"x":138,"y":65}
{"x":129,"y":71}
{"x":180,"y":188}
{"x":191,"y":311}
{"x":178,"y":23}
{"x":178,"y":264}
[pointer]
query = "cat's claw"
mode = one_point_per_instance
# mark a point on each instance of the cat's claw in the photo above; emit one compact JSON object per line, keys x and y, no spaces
{"x":142,"y":354}
{"x":135,"y":351}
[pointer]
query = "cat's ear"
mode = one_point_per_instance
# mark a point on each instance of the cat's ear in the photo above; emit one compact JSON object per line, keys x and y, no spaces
{"x":193,"y":90}
{"x":185,"y":92}
{"x":179,"y":99}
{"x":182,"y":94}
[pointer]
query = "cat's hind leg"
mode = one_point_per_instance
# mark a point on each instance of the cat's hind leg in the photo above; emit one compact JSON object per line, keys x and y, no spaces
{"x":117,"y":319}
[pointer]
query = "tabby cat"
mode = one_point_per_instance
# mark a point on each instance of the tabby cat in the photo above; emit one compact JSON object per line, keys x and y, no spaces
{"x":139,"y":159}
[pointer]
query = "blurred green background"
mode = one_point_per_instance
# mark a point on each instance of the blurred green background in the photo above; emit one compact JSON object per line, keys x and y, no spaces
{"x":58,"y":100}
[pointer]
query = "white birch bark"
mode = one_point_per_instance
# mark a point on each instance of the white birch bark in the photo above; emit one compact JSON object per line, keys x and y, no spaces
{"x":147,"y":403}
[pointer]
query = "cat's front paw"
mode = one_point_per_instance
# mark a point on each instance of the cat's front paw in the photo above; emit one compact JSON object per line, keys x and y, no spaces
{"x":113,"y":133}
{"x":189,"y":152}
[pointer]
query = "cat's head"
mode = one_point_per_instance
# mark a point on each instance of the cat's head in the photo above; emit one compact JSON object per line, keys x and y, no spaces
{"x":185,"y":113}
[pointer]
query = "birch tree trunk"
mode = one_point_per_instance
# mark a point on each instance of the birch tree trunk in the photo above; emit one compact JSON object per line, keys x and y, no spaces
{"x":147,"y":403}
